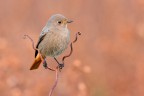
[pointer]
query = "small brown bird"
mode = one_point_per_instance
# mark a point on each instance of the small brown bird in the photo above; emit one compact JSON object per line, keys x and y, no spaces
{"x":53,"y":39}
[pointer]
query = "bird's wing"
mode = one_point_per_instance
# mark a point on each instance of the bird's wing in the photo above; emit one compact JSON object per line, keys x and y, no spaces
{"x":42,"y":35}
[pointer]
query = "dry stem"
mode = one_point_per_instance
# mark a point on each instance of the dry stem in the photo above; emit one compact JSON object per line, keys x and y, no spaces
{"x":57,"y":68}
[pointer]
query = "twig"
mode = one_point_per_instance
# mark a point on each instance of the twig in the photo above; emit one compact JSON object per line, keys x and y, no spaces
{"x":55,"y":83}
{"x":57,"y":68}
{"x":31,"y":41}
{"x":71,"y":46}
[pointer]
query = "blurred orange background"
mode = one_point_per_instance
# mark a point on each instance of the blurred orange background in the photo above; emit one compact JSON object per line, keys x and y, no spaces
{"x":108,"y":58}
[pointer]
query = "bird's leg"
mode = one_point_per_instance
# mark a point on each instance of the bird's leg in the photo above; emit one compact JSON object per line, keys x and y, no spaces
{"x":43,"y":60}
{"x":59,"y":64}
{"x":45,"y":64}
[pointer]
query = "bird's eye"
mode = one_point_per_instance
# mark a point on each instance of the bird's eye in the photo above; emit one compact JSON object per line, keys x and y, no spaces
{"x":59,"y":22}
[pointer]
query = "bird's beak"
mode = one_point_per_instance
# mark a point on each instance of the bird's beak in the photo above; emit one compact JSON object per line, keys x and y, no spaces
{"x":69,"y":21}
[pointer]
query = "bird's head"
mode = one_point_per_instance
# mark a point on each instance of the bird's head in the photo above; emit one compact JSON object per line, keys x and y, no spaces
{"x":58,"y":21}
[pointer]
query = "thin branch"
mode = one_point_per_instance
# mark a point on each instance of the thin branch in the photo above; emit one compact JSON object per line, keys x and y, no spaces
{"x":31,"y":41}
{"x":57,"y":68}
{"x":55,"y":83}
{"x":71,"y":46}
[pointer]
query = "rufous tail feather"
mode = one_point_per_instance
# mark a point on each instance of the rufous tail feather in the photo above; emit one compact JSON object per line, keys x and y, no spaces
{"x":36,"y":62}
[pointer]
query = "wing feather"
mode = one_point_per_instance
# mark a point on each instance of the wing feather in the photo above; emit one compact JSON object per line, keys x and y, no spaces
{"x":42,"y":35}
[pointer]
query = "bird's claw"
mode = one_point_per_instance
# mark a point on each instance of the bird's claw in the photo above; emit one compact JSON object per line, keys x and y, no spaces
{"x":61,"y":66}
{"x":45,"y":65}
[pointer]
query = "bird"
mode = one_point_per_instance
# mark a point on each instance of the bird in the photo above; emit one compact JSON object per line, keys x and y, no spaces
{"x":53,"y":40}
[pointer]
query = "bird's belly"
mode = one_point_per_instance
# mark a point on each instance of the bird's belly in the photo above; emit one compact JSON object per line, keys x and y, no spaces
{"x":54,"y":46}
{"x":56,"y":49}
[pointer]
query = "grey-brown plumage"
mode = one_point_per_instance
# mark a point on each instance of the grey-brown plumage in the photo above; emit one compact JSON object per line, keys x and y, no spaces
{"x":53,"y":39}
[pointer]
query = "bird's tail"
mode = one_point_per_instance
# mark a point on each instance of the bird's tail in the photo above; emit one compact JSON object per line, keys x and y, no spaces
{"x":36,"y":62}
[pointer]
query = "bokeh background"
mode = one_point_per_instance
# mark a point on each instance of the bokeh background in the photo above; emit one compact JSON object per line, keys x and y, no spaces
{"x":108,"y":59}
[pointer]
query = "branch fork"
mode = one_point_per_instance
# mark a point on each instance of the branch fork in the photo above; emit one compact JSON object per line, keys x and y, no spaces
{"x":60,"y":66}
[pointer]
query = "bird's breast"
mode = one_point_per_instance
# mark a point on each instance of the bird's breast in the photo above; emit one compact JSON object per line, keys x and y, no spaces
{"x":54,"y":43}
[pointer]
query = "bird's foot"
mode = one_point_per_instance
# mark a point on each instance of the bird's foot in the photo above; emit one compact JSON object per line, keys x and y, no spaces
{"x":60,"y":66}
{"x":45,"y":64}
